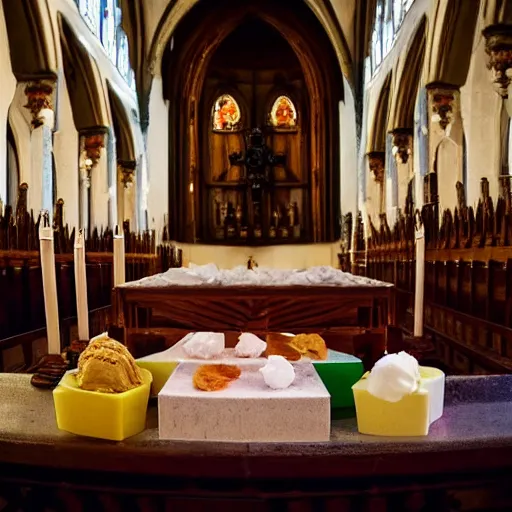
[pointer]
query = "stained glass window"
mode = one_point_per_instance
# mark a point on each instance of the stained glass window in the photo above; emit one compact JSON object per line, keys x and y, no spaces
{"x":110,"y":20}
{"x":226,"y":114}
{"x":104,"y":18}
{"x":283,"y":113}
{"x":91,"y":12}
{"x":389,"y":15}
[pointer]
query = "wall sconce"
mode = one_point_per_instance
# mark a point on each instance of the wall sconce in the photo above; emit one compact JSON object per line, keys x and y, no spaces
{"x":402,"y":141}
{"x":442,"y":108}
{"x":498,"y":46}
{"x":127,"y":172}
{"x":93,"y":145}
{"x":39,"y":98}
{"x":376,"y":165}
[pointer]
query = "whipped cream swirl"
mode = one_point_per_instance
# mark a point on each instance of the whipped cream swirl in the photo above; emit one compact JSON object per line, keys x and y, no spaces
{"x":394,"y":376}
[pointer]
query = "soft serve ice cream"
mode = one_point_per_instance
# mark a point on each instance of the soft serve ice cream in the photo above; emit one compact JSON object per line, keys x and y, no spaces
{"x":205,"y":345}
{"x":394,"y":376}
{"x":398,"y":397}
{"x":278,"y":373}
{"x":249,"y":345}
{"x":106,"y":366}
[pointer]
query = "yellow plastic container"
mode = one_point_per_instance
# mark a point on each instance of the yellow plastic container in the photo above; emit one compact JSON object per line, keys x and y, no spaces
{"x":410,"y":416}
{"x":160,"y":370}
{"x":102,"y":415}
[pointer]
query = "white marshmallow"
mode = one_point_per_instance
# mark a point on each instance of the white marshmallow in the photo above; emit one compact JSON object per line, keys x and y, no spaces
{"x":205,"y":345}
{"x":394,"y":376}
{"x":278,"y":373}
{"x":249,"y":345}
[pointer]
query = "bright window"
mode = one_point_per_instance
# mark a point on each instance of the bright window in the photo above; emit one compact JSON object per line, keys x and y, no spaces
{"x":389,"y":15}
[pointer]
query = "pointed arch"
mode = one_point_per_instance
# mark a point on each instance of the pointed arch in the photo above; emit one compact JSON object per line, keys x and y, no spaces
{"x":125,"y":146}
{"x":30,"y":42}
{"x":378,"y":134}
{"x":451,"y":41}
{"x":176,"y":11}
{"x":80,"y":69}
{"x":402,"y":115}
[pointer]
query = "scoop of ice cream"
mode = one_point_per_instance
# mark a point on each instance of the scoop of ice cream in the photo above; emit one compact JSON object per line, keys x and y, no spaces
{"x":107,"y":366}
{"x":394,"y":376}
{"x":205,"y":345}
{"x":249,"y":345}
{"x":278,"y":373}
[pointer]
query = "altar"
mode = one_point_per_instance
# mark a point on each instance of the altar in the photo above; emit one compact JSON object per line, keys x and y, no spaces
{"x":320,"y":300}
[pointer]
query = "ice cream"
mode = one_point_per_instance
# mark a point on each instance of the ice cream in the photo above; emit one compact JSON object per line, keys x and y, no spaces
{"x":249,"y":345}
{"x":399,"y":397}
{"x":278,"y":373}
{"x":106,"y":366}
{"x":394,"y":376}
{"x":205,"y":345}
{"x":310,"y":345}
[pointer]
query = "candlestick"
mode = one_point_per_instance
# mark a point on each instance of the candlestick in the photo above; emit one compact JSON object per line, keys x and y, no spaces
{"x":119,"y":259}
{"x":49,"y":283}
{"x":82,"y":308}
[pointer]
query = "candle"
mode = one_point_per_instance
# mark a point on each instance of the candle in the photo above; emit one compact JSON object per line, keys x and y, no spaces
{"x":119,"y":268}
{"x":82,"y":308}
{"x":49,"y":283}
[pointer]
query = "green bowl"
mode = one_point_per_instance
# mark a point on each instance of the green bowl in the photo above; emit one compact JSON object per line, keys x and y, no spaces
{"x":339,"y":372}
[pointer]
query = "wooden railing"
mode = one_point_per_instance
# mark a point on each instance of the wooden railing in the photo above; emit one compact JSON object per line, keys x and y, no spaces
{"x":468,"y":276}
{"x":22,"y":313}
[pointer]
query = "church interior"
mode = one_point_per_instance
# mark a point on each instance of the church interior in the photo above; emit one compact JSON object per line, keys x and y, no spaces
{"x":255,"y":255}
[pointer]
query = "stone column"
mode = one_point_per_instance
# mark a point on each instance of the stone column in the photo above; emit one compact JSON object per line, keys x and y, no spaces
{"x":402,"y":152}
{"x":96,"y":166}
{"x":40,"y":104}
{"x":126,"y":192}
{"x":446,"y":139}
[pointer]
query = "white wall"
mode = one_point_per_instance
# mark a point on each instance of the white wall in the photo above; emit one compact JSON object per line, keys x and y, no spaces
{"x":157,"y":157}
{"x":7,"y":89}
{"x":348,"y":153}
{"x":481,"y":109}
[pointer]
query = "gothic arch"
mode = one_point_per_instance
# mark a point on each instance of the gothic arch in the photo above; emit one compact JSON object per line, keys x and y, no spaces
{"x":125,"y":147}
{"x":402,"y":115}
{"x":184,"y":71}
{"x":451,"y":41}
{"x":176,"y":11}
{"x":85,"y":89}
{"x":30,"y":40}
{"x":379,"y":130}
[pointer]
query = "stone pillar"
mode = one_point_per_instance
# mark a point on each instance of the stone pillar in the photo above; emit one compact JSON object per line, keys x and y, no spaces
{"x":498,"y":45}
{"x":446,"y":140}
{"x":126,"y":192}
{"x":376,"y":165}
{"x":402,"y":152}
{"x":96,"y":167}
{"x":40,"y":104}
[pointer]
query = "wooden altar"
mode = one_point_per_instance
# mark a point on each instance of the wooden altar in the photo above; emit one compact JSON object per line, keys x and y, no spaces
{"x":172,"y":311}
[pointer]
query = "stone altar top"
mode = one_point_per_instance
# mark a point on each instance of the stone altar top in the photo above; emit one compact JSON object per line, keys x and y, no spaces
{"x":211,"y":275}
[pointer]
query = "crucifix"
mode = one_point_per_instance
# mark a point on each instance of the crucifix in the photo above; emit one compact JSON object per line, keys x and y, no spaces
{"x":258,"y":161}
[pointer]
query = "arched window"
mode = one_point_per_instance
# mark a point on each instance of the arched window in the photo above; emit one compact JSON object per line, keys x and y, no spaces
{"x":283,"y":113}
{"x":226,"y":115}
{"x":104,"y":18}
{"x":91,"y":13}
{"x":389,"y":15}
